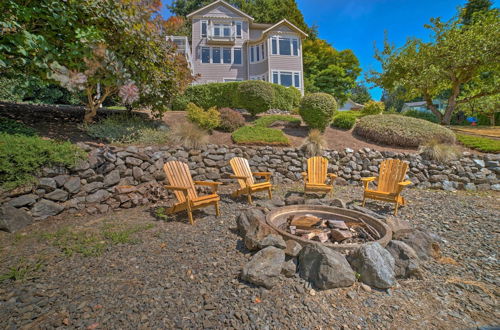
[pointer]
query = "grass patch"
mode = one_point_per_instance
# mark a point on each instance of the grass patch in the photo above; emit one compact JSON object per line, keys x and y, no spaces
{"x":22,"y":156}
{"x":483,"y":144}
{"x":129,"y":129}
{"x":259,"y":135}
{"x":23,"y":270}
{"x":124,"y":236}
{"x":266,"y":121}
{"x":346,"y":119}
{"x":402,"y":131}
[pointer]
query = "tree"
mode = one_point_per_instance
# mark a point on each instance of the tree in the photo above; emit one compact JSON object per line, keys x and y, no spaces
{"x":86,"y":44}
{"x":487,"y":106}
{"x":328,"y":70}
{"x":472,"y":7}
{"x":360,"y":94}
{"x":393,"y":99}
{"x":458,"y":56}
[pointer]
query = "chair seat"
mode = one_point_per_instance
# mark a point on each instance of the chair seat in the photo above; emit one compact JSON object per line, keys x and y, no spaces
{"x":378,"y":192}
{"x":205,"y":199}
{"x":261,"y":185}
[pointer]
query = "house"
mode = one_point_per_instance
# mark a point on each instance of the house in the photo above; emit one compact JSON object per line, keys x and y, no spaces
{"x":227,"y":45}
{"x":350,"y":105}
{"x":422,"y":106}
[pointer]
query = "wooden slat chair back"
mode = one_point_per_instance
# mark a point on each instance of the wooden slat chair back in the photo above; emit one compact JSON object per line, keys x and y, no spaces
{"x":183,"y":186}
{"x":245,"y":177}
{"x":315,"y":179}
{"x":390,"y":183}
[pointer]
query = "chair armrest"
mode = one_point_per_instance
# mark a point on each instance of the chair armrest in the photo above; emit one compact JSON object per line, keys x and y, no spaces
{"x":262,"y":173}
{"x":331,"y":175}
{"x":304,"y":175}
{"x":405,"y":183}
{"x":238,"y":177}
{"x":369,"y":179}
{"x":176,"y":188}
{"x":207,"y":183}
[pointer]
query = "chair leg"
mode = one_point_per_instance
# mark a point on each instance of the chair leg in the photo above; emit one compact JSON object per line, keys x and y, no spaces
{"x":364,"y":200}
{"x":217,"y":209}
{"x":190,"y":213}
{"x":396,"y":209}
{"x":249,"y":196}
{"x":270,"y":193}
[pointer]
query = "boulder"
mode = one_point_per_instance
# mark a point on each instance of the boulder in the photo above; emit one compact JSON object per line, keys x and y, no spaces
{"x":294,"y":200}
{"x":424,"y":243}
{"x":324,"y":267}
{"x":24,"y":200}
{"x":406,"y":263}
{"x":73,"y":185}
{"x":12,"y":219}
{"x":265,"y":267}
{"x":48,"y":184}
{"x":252,"y":228}
{"x":374,"y":264}
{"x":98,"y":196}
{"x":398,"y":227}
{"x":112,"y":178}
{"x":289,"y":267}
{"x":57,"y":195}
{"x":293,"y":248}
{"x":273,"y":240}
{"x":45,"y":208}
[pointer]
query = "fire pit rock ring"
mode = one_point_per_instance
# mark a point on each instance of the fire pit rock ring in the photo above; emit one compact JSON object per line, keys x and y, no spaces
{"x":279,"y":220}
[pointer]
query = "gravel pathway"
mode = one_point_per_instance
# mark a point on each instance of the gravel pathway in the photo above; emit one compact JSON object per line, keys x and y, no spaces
{"x":129,"y":270}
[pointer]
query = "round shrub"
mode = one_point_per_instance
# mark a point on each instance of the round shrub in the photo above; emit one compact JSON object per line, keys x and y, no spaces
{"x":317,"y":110}
{"x":255,"y":96}
{"x":208,"y":119}
{"x":373,"y":108}
{"x":401,"y":131}
{"x":230,"y":120}
{"x":286,"y":98}
{"x":429,"y":116}
{"x":345,"y":119}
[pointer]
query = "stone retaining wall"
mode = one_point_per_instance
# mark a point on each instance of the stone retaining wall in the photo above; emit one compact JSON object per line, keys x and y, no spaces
{"x":114,"y":177}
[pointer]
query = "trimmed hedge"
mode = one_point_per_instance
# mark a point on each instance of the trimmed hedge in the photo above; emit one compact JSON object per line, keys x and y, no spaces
{"x":345,"y":119}
{"x":402,"y":131}
{"x":225,"y":95}
{"x":373,"y":108}
{"x":429,"y":116}
{"x":206,"y":119}
{"x":255,"y":96}
{"x":259,"y":135}
{"x":317,"y":110}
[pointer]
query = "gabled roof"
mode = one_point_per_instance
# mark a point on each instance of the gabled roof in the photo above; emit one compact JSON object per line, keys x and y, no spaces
{"x":290,"y":25}
{"x":220,"y":2}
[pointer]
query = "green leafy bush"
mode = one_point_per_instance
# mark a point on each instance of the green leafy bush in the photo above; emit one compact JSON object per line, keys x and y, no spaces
{"x":209,"y":119}
{"x":402,"y":131}
{"x":345,"y":119}
{"x":11,"y":126}
{"x":255,"y":96}
{"x":230,"y":120}
{"x":259,"y":135}
{"x":429,"y":116}
{"x":129,"y":128}
{"x":22,"y":156}
{"x":317,"y":110}
{"x":373,"y":108}
{"x":286,"y":98}
{"x":266,"y":121}
{"x":480,"y":143}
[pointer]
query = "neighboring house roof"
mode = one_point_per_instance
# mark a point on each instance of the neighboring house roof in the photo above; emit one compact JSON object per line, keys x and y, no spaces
{"x":220,"y":2}
{"x":355,"y":105}
{"x":285,"y":22}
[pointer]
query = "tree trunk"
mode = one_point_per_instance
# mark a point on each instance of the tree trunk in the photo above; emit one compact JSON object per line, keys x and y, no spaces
{"x":432,"y":107}
{"x":94,"y":102}
{"x":452,"y":104}
{"x":492,"y":119}
{"x":90,"y":112}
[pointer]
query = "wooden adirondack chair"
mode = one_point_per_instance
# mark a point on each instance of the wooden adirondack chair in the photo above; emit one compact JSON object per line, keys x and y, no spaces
{"x":390,"y":183}
{"x":246,"y":180}
{"x":182,"y":184}
{"x":315,"y":179}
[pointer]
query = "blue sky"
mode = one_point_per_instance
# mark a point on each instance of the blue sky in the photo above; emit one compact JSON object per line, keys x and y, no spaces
{"x":357,"y":24}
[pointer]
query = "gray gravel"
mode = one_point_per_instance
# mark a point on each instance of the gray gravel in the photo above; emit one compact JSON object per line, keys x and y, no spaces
{"x":179,"y":276}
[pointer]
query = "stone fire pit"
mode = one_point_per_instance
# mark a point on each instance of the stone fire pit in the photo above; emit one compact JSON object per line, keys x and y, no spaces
{"x":280,"y":218}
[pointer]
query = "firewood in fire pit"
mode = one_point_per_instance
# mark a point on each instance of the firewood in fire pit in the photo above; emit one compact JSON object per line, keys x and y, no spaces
{"x":340,"y":235}
{"x":338,"y":224}
{"x":322,"y":237}
{"x":305,"y":221}
{"x":309,"y":235}
{"x":292,"y":230}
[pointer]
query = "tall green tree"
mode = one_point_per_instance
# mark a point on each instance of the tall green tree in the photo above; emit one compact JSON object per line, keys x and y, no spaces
{"x":360,"y":94}
{"x":461,"y":60}
{"x":472,"y":7}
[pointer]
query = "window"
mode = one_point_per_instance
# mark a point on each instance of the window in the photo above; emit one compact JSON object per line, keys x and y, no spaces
{"x":296,"y":77}
{"x":276,"y":78}
{"x":295,"y":44}
{"x":252,"y":56}
{"x":237,"y":56}
{"x":205,"y":55}
{"x":226,"y":55}
{"x":262,"y":50}
{"x":285,"y":46}
{"x":204,"y":27}
{"x":217,"y":30}
{"x":239,"y":28}
{"x":215,"y":55}
{"x":274,"y":42}
{"x":257,"y":51}
{"x":227,"y":30}
{"x":286,"y":79}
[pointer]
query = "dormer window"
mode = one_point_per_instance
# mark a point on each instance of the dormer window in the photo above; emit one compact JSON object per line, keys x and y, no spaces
{"x":286,"y":46}
{"x":204,"y":28}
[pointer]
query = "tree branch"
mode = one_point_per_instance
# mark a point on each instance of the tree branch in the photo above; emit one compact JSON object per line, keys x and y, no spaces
{"x":470,"y":98}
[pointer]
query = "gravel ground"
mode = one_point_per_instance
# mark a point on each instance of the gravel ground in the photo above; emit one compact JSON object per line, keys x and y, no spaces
{"x":129,"y":270}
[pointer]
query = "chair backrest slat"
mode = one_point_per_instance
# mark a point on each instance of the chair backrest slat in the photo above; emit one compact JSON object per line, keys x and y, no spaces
{"x":241,"y":167}
{"x":317,"y":168}
{"x":392,"y":171}
{"x":178,"y":175}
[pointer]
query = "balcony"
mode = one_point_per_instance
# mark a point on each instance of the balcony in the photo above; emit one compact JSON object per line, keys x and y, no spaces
{"x":221,"y":39}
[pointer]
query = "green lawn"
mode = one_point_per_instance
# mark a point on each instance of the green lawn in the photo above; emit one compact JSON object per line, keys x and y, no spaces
{"x":266,"y":121}
{"x":259,"y":135}
{"x":483,"y":144}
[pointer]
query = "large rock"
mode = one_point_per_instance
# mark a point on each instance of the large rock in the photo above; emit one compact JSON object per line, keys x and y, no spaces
{"x":399,"y":227}
{"x":12,"y":219}
{"x":45,"y":208}
{"x":375,"y":265}
{"x":289,"y":267}
{"x":293,"y":248}
{"x":98,"y":196}
{"x":424,"y":243}
{"x":273,"y":240}
{"x":324,"y":267}
{"x":57,"y":195}
{"x":48,"y":184}
{"x":112,"y":178}
{"x":406,"y":263}
{"x":265,"y":267}
{"x":24,"y":200}
{"x":73,"y":185}
{"x":252,"y":227}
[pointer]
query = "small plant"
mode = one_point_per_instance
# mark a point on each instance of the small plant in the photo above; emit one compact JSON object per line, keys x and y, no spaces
{"x":345,"y":119}
{"x":161,"y":213}
{"x":373,"y":108}
{"x":10,"y":126}
{"x":151,"y":136}
{"x":267,"y":121}
{"x":317,"y":110}
{"x":23,"y":270}
{"x":189,"y":135}
{"x":255,"y":96}
{"x":480,"y":143}
{"x":314,"y":143}
{"x":209,"y":119}
{"x":259,"y":135}
{"x":230,"y":120}
{"x":440,"y":152}
{"x":87,"y":243}
{"x":124,"y":236}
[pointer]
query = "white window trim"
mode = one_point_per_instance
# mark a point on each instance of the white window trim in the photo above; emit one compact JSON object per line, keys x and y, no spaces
{"x":292,"y":48}
{"x":263,"y":53}
{"x":287,"y":71}
{"x":201,"y":28}
{"x":236,"y":23}
{"x":232,"y":56}
{"x":211,"y":52}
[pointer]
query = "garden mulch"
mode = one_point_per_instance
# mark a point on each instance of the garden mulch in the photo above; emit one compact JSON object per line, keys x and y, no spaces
{"x":169,"y":274}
